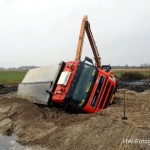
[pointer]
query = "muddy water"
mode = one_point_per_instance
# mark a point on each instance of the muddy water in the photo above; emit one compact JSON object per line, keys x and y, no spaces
{"x":138,"y":86}
{"x":9,"y":143}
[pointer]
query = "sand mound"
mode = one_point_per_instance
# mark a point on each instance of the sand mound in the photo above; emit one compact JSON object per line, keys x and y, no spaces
{"x":53,"y":128}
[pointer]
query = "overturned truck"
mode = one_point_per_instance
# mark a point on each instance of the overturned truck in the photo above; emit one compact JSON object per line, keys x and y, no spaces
{"x":78,"y":85}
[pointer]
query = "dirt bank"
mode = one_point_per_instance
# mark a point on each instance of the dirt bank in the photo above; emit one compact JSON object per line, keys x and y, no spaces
{"x":45,"y":128}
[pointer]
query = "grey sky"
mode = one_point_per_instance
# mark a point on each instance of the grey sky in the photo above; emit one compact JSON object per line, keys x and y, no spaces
{"x":44,"y":32}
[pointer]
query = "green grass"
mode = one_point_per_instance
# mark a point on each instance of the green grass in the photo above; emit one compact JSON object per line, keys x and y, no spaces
{"x":11,"y":77}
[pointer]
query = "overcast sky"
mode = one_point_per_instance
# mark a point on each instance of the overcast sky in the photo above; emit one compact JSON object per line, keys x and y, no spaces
{"x":44,"y":32}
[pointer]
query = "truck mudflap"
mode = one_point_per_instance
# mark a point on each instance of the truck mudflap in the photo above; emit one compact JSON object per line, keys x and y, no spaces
{"x":38,"y":81}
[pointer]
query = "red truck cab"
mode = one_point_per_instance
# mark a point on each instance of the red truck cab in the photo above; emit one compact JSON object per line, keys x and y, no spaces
{"x":84,"y":86}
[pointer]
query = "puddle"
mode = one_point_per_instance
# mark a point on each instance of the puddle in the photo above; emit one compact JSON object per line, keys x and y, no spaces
{"x":9,"y":143}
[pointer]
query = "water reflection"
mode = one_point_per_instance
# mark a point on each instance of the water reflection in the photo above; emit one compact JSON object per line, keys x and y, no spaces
{"x":9,"y":143}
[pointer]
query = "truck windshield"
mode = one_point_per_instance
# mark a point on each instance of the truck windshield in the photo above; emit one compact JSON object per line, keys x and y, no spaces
{"x":84,"y":84}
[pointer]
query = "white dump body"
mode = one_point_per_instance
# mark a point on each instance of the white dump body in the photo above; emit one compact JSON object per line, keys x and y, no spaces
{"x":37,"y":81}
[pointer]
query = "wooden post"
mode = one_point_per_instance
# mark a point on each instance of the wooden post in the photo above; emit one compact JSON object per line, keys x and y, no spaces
{"x":123,"y":91}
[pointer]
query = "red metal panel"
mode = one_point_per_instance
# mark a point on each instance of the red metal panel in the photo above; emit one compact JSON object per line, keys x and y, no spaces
{"x":61,"y":91}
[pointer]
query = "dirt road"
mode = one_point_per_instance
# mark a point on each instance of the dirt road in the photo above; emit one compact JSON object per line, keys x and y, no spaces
{"x":46,"y":128}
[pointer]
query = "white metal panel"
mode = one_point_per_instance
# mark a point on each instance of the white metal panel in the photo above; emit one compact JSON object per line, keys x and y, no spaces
{"x":35,"y":93}
{"x":42,"y":74}
{"x":36,"y":82}
{"x":63,"y":80}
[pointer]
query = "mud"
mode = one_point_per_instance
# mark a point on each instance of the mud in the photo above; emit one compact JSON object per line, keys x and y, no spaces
{"x":52,"y":128}
{"x":138,"y":86}
{"x":7,"y":89}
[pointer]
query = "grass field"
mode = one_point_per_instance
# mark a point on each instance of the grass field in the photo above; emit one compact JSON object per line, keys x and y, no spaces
{"x":11,"y":77}
{"x":15,"y":77}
